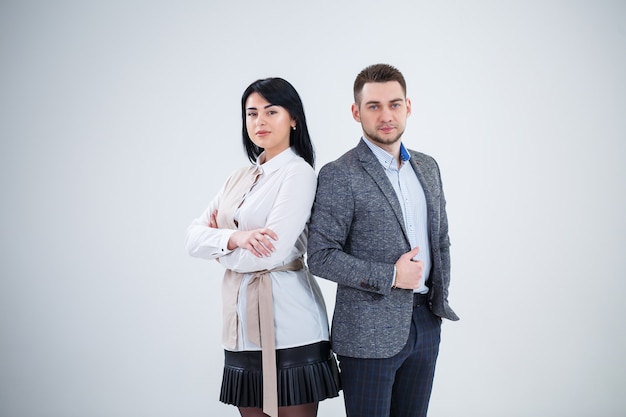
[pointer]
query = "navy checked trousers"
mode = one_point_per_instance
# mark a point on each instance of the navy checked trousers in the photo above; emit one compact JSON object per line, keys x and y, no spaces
{"x":399,"y":386}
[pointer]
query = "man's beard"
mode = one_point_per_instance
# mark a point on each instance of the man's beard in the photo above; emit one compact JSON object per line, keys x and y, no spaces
{"x":377,"y":139}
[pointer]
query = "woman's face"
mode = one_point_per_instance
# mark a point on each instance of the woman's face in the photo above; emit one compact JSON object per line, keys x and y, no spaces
{"x":268,"y":125}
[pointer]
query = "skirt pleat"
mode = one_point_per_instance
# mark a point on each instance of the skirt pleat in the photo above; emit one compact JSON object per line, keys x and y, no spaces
{"x":302,"y":378}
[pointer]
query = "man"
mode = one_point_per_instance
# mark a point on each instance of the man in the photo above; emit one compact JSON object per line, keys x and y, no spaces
{"x":379,"y":229}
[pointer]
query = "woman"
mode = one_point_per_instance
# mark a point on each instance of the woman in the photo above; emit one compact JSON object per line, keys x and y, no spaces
{"x":275,"y":331}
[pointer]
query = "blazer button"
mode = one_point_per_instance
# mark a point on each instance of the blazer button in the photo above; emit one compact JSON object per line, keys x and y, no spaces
{"x":363,"y":285}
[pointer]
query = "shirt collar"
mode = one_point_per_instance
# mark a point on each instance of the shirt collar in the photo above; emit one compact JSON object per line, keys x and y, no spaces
{"x":385,"y":158}
{"x":276,"y":162}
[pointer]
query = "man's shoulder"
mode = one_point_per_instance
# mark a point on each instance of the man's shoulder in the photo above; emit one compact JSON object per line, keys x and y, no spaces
{"x":420,"y":155}
{"x":422,"y":158}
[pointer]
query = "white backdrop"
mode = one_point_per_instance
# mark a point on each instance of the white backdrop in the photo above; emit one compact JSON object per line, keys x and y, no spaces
{"x":119,"y":120}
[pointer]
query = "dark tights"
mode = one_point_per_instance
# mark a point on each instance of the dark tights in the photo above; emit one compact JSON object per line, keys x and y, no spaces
{"x":303,"y":410}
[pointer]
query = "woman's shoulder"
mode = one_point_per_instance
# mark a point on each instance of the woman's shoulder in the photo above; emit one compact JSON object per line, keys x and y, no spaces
{"x":299,"y":165}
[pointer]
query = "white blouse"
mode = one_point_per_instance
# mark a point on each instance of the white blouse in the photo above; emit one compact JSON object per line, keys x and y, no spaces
{"x":281,"y":200}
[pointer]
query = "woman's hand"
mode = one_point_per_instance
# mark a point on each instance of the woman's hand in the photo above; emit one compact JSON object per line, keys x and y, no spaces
{"x":213,"y":221}
{"x":256,"y":241}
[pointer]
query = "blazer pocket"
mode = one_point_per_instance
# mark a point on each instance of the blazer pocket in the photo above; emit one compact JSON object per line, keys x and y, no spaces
{"x":347,"y":294}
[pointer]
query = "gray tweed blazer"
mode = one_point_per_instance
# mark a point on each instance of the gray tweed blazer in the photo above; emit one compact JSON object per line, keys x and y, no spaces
{"x":356,"y":235}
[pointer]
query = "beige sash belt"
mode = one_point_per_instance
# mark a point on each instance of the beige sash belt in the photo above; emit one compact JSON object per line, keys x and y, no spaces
{"x":260,"y":316}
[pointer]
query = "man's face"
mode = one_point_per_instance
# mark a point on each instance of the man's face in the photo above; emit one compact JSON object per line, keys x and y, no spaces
{"x":382,"y":112}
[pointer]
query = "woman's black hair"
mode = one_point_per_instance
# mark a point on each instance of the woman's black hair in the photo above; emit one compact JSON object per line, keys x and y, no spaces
{"x":279,"y":92}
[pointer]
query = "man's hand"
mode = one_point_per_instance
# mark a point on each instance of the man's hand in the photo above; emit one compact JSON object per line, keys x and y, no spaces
{"x":256,"y":241}
{"x":409,"y":272}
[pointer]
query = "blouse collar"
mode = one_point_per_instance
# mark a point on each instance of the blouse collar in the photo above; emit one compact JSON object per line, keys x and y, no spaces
{"x":276,"y":162}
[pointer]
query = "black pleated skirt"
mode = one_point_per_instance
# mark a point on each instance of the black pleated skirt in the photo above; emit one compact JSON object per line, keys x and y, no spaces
{"x":306,"y":374}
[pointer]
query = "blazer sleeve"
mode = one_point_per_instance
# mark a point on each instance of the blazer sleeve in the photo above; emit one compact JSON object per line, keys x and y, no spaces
{"x":328,"y":246}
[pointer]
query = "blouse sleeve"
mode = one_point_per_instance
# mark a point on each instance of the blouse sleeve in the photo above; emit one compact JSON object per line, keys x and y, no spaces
{"x":204,"y":241}
{"x":287,"y":218}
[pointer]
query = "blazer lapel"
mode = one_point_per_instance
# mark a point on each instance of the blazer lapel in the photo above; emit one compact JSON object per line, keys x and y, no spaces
{"x":428,"y":185}
{"x":375,"y":170}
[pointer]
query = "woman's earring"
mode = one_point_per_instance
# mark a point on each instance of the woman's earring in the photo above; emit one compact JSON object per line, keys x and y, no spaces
{"x":293,"y":127}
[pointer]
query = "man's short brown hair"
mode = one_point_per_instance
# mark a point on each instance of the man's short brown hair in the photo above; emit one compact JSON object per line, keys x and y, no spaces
{"x":377,"y":73}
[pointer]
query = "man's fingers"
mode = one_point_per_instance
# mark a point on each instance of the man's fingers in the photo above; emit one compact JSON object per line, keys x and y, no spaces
{"x":412,"y":253}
